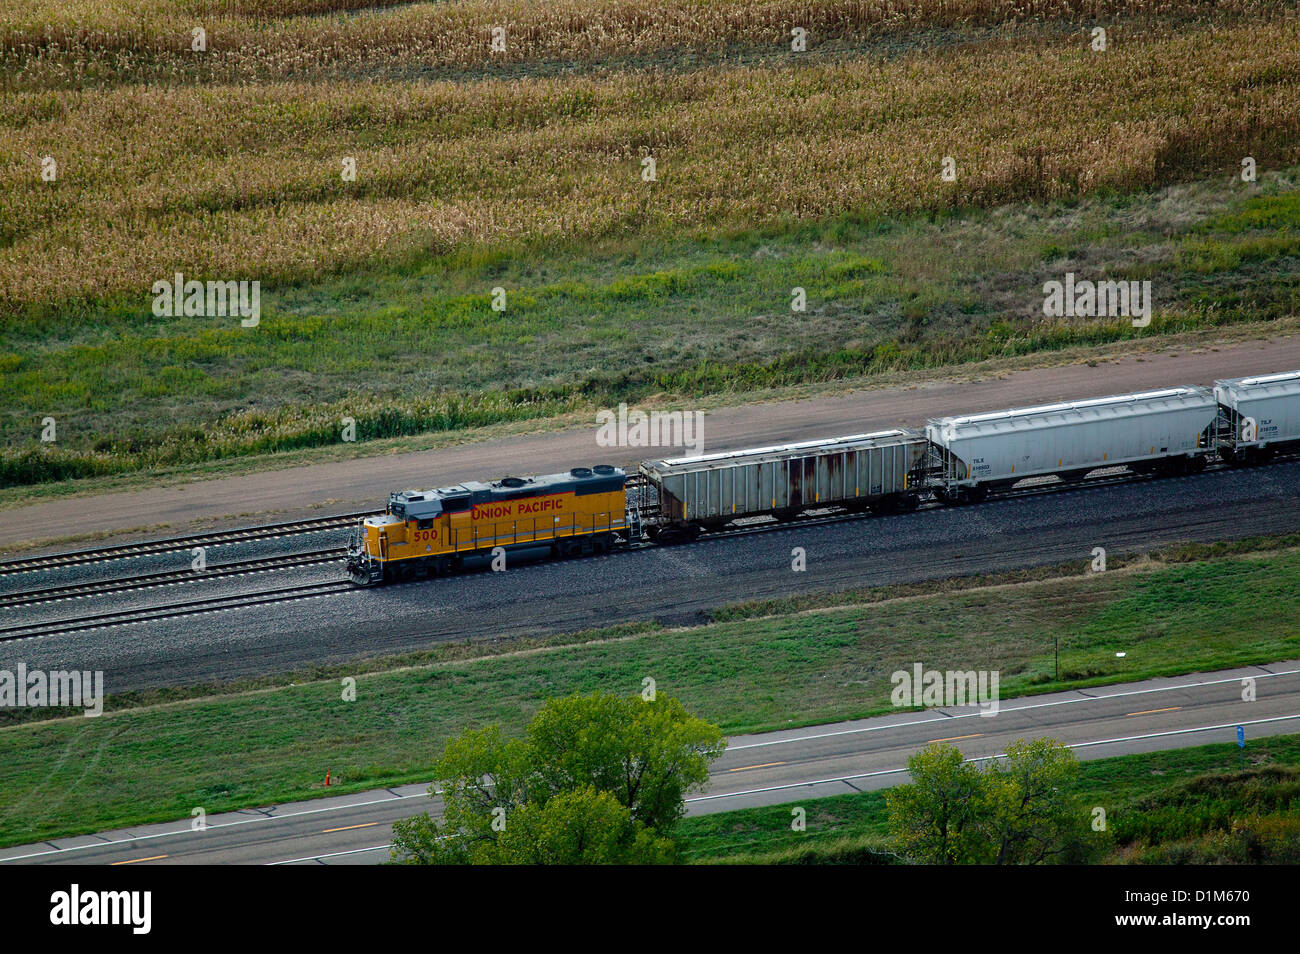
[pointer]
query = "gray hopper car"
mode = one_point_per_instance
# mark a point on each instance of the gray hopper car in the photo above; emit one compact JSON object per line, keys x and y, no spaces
{"x":1261,"y":417}
{"x":881,"y":471}
{"x":1169,"y":431}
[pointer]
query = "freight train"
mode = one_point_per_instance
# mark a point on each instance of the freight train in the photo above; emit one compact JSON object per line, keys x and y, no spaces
{"x":955,"y":460}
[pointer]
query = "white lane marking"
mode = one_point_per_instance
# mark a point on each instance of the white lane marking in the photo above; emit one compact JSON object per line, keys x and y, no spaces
{"x":332,"y":854}
{"x":985,"y":758}
{"x":1204,"y":728}
{"x":230,"y":824}
{"x":1007,"y":708}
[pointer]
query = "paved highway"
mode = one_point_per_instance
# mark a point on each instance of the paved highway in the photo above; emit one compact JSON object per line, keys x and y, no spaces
{"x":776,"y":768}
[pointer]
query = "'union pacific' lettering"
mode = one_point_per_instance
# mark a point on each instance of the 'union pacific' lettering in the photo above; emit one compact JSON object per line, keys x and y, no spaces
{"x":530,"y":507}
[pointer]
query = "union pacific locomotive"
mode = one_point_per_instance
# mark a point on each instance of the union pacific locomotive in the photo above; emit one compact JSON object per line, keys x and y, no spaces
{"x":955,"y":460}
{"x":432,"y":532}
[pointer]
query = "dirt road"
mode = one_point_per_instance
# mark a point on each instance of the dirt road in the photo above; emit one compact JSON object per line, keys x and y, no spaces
{"x":357,"y":484}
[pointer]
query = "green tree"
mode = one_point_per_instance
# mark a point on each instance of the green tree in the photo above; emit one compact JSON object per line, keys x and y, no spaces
{"x":509,"y":801}
{"x":481,"y":777}
{"x":646,"y":754}
{"x":581,"y":827}
{"x":1020,"y":810}
{"x":938,"y":818}
{"x":1032,"y":815}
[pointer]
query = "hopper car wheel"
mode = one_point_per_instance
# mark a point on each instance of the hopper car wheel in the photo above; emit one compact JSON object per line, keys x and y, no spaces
{"x":970,"y":495}
{"x":893,"y":503}
{"x":669,"y":536}
{"x":1255,"y":456}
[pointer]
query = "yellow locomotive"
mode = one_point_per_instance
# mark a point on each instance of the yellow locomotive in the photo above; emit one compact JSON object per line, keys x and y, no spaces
{"x":433,"y":531}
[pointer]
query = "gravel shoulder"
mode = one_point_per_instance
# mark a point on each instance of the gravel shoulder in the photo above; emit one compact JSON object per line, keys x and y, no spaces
{"x":339,"y":486}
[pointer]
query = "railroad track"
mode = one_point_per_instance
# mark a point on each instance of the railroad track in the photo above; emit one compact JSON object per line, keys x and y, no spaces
{"x":211,"y":604}
{"x":166,"y":578}
{"x":1120,"y":476}
{"x":216,"y":538}
{"x":305,"y":591}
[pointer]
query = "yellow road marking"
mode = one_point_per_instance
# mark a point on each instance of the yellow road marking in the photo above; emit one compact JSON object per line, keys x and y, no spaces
{"x":349,"y":827}
{"x":956,"y":738}
{"x":1150,"y":711}
{"x":746,"y":768}
{"x":138,"y":860}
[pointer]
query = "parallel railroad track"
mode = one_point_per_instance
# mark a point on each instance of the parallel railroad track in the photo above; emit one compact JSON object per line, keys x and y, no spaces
{"x":211,"y":604}
{"x":166,"y":578}
{"x":303,"y":591}
{"x":55,"y":561}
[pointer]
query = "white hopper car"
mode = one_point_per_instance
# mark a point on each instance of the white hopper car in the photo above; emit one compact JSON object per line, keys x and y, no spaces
{"x":1168,"y":431}
{"x":1261,"y":417}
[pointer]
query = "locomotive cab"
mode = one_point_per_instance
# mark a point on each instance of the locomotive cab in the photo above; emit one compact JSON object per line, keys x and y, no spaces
{"x":416,"y":524}
{"x":431,"y":532}
{"x":369,"y":546}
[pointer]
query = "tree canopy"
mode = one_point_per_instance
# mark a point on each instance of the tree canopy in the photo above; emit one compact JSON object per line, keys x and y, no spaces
{"x":1019,"y":810}
{"x":595,"y":779}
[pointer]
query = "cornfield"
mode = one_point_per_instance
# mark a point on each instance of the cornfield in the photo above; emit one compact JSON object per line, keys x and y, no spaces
{"x":245,"y":182}
{"x":126,"y":156}
{"x":52,"y":44}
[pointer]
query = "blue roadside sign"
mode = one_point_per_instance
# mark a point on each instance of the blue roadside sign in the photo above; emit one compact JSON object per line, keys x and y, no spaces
{"x":1241,"y":736}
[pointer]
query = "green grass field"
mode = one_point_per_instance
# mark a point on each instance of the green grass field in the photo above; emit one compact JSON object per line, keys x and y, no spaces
{"x":412,"y":351}
{"x":749,"y":673}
